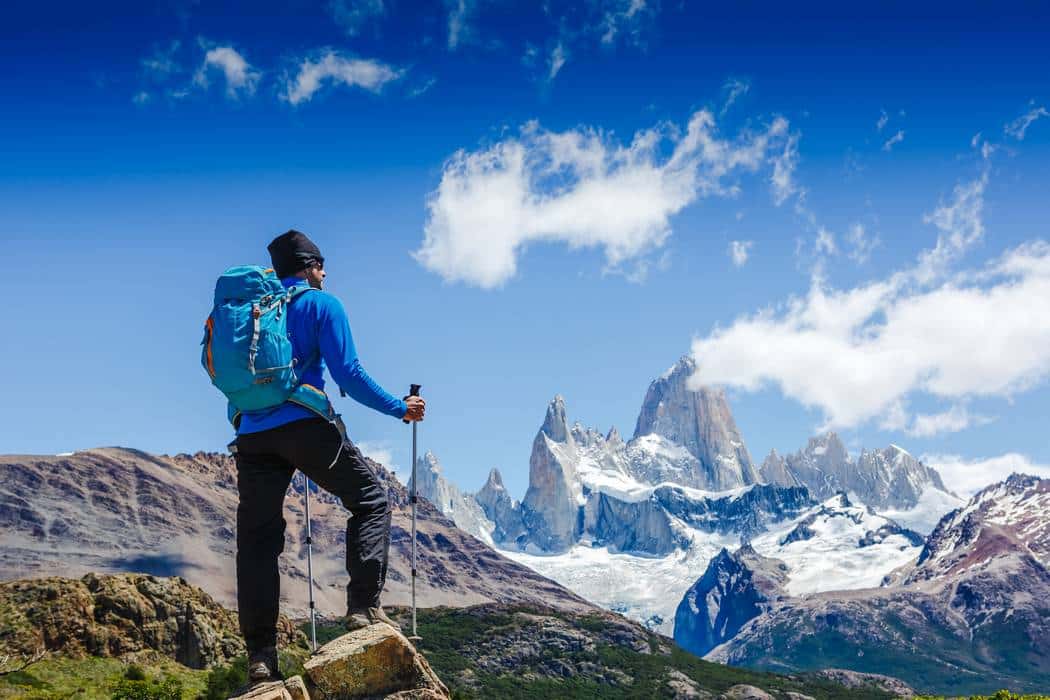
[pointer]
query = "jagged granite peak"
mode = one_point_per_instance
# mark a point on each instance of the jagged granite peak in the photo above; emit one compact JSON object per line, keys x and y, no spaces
{"x":463,"y":509}
{"x":503,"y":511}
{"x":774,"y":470}
{"x":555,"y":426}
{"x":888,"y":478}
{"x":613,"y":436}
{"x":701,"y":422}
{"x":734,"y":589}
{"x":551,"y":504}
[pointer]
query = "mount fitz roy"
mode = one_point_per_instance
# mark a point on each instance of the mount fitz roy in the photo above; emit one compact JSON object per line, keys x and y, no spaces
{"x":632,"y":524}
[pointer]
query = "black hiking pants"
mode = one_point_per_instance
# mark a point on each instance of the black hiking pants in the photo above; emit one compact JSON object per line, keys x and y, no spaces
{"x":266,"y":462}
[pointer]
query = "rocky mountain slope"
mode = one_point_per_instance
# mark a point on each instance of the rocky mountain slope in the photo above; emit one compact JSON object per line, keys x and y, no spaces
{"x":112,"y":510}
{"x":972,"y":614}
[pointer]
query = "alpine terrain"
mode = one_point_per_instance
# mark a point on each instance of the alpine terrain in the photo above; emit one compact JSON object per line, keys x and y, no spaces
{"x":632,"y":524}
{"x":971,"y":614}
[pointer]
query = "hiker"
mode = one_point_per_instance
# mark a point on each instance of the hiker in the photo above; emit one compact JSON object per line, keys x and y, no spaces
{"x":272,"y":443}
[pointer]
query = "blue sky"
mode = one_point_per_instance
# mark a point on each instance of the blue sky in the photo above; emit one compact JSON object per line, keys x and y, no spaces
{"x":841,"y":212}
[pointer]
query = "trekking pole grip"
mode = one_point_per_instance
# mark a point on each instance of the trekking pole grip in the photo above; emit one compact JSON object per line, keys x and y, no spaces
{"x":412,"y":391}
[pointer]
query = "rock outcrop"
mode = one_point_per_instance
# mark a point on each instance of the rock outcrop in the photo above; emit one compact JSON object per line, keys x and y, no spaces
{"x":374,"y":661}
{"x":123,"y":616}
{"x":700,"y":421}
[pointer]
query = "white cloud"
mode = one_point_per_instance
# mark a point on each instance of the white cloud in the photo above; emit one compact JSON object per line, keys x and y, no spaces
{"x":239,"y":75}
{"x":857,"y":354}
{"x":580,"y":188}
{"x":334,"y":68}
{"x":557,"y":60}
{"x":739,"y":251}
{"x":955,"y":419}
{"x":968,"y":476}
{"x":734,"y":89}
{"x":141,"y":97}
{"x":1019,"y":126}
{"x":884,"y":119}
{"x":861,"y":243}
{"x":380,"y":451}
{"x":893,"y":140}
{"x":353,"y":15}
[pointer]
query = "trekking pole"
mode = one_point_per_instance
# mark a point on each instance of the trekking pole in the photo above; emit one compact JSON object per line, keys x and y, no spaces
{"x":414,"y":391}
{"x":310,"y":565}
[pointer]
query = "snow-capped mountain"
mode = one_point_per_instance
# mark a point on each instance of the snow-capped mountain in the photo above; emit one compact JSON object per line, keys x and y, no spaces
{"x":971,"y":614}
{"x":884,"y":479}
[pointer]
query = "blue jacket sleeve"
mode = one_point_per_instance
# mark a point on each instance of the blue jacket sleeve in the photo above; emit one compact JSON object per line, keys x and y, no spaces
{"x":337,"y":349}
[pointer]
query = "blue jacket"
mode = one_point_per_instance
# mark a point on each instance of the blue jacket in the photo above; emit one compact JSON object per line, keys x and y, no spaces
{"x":318,"y":327}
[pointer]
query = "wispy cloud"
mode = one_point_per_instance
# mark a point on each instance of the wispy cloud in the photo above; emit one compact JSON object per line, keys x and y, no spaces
{"x":893,"y":140}
{"x":460,"y":15}
{"x":954,"y":420}
{"x":861,"y":243}
{"x":884,"y":119}
{"x":967,"y":476}
{"x":557,"y":60}
{"x":334,"y":68}
{"x":734,"y":89}
{"x":239,"y":76}
{"x":623,"y":18}
{"x":739,"y":252}
{"x":353,"y":15}
{"x":1019,"y":126}
{"x":161,"y":64}
{"x":580,"y":188}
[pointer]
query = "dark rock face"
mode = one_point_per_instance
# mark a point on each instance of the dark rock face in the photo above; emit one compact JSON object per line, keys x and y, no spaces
{"x":701,"y":422}
{"x":972,"y":615}
{"x":749,"y":513}
{"x":642,"y":526}
{"x":121,"y":616}
{"x":734,"y":589}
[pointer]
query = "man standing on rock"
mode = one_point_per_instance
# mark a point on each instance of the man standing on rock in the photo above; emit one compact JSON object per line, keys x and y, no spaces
{"x":272,"y":443}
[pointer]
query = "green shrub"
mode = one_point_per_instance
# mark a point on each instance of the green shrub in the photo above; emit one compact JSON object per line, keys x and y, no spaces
{"x":168,"y":689}
{"x":135,"y":672}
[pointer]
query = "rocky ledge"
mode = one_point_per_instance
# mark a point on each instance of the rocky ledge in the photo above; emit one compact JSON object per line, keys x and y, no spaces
{"x":374,"y":662}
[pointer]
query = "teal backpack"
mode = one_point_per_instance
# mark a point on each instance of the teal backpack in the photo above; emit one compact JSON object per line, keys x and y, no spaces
{"x":246,"y":350}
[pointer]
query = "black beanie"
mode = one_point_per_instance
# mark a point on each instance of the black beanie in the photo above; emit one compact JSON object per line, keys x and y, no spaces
{"x":291,"y":252}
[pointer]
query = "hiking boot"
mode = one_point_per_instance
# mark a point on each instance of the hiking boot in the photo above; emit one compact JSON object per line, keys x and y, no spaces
{"x":262,"y":666}
{"x":359,"y":618}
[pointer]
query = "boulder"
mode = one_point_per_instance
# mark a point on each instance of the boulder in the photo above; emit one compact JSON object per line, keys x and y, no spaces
{"x":374,"y":661}
{"x":746,"y":692}
{"x":277,"y":690}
